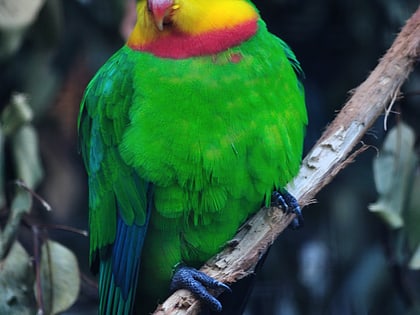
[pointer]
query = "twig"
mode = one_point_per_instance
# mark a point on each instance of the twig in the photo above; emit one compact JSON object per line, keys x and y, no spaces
{"x":43,"y":202}
{"x":324,"y":161}
{"x":63,"y":228}
{"x":37,"y":257}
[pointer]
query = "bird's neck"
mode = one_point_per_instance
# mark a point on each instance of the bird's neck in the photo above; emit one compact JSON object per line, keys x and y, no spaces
{"x":179,"y":45}
{"x":211,"y":33}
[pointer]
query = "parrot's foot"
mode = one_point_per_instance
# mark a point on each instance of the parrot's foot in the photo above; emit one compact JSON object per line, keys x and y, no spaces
{"x":198,"y":283}
{"x":289,"y":204}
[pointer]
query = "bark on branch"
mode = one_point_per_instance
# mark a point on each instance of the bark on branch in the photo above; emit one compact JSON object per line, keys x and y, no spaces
{"x":330,"y":155}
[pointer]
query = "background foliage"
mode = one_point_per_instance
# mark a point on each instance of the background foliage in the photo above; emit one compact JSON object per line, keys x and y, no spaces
{"x":346,"y":260}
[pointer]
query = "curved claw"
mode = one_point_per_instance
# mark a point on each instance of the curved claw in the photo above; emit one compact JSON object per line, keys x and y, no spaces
{"x":289,"y":204}
{"x":198,"y":282}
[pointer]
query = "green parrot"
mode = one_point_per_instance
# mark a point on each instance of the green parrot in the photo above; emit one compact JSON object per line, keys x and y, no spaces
{"x":186,"y":131}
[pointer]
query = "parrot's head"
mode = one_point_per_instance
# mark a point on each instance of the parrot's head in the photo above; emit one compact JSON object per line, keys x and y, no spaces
{"x":194,"y":16}
{"x":162,"y":12}
{"x":160,"y":18}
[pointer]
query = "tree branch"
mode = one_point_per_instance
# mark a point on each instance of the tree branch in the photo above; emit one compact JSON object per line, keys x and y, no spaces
{"x":326,"y":159}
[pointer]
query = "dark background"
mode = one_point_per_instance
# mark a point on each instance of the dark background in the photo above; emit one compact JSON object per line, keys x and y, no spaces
{"x":344,"y":260}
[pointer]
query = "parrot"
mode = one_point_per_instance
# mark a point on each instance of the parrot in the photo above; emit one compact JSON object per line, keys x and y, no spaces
{"x":192,"y":126}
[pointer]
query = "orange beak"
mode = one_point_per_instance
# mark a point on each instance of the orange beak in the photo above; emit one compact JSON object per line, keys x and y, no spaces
{"x":160,"y":9}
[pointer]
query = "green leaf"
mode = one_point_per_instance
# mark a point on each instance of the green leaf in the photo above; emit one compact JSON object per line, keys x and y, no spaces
{"x":22,"y":201}
{"x":16,"y":114}
{"x":15,"y":18}
{"x":415,"y":259}
{"x":26,"y":156}
{"x":60,"y":278}
{"x":16,"y":14}
{"x":413,"y":222}
{"x":393,"y":173}
{"x":21,"y":204}
{"x":16,"y":283}
{"x":2,"y":170}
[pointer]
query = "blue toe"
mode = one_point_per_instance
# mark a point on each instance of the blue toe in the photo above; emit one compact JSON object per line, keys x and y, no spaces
{"x":198,"y":282}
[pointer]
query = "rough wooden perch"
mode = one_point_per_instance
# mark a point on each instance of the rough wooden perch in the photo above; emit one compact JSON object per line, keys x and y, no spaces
{"x":330,"y":154}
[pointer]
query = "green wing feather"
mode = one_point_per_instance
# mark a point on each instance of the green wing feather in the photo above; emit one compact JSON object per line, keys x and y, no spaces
{"x":117,"y":196}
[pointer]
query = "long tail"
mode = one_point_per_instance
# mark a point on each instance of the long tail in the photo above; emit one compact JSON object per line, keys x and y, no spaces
{"x":118,"y":275}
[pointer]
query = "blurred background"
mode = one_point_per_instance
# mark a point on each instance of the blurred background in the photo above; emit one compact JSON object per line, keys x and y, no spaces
{"x":346,"y":260}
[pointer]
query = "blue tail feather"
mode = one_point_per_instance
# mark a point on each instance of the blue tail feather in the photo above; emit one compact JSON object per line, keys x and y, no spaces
{"x":119,"y":273}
